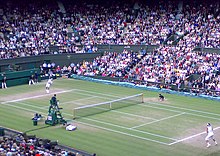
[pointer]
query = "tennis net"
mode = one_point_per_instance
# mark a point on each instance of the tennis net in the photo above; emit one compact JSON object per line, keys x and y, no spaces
{"x":88,"y":110}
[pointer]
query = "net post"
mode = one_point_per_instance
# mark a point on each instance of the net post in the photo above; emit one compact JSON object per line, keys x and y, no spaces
{"x":110,"y":105}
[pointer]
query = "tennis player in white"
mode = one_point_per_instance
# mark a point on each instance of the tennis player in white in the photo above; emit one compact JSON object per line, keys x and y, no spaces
{"x":48,"y":84}
{"x":210,"y":135}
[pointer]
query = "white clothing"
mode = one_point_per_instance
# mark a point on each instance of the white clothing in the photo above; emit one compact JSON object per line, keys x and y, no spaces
{"x":49,"y":83}
{"x":210,"y":133}
{"x":31,"y":82}
{"x":4,"y":85}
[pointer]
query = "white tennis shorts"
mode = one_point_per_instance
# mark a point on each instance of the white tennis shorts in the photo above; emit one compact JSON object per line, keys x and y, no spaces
{"x":209,"y":136}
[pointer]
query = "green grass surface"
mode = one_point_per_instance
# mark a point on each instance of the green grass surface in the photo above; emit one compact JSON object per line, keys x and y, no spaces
{"x":173,"y":127}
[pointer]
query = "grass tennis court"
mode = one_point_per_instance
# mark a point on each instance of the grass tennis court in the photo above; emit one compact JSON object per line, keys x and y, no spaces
{"x":175,"y":126}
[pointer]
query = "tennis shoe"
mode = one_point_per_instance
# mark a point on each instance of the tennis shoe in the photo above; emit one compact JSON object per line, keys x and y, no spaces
{"x":208,"y":145}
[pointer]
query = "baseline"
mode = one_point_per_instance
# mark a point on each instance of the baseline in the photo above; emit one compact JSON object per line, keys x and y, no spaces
{"x":37,"y":96}
{"x":190,"y":137}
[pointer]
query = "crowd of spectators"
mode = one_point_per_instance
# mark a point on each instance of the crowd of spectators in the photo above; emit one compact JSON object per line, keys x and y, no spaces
{"x":111,"y":64}
{"x":143,"y":24}
{"x":166,"y":66}
{"x":33,"y":27}
{"x":202,"y":26}
{"x":195,"y":25}
{"x":21,"y":146}
{"x":175,"y":66}
{"x":37,"y":28}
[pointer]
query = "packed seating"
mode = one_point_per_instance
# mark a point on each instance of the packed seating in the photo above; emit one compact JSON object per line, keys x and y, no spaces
{"x":167,"y":65}
{"x":33,"y":27}
{"x":24,"y":146}
{"x":196,"y":25}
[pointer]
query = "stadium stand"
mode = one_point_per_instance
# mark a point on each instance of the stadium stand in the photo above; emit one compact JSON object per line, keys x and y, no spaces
{"x":17,"y":143}
{"x":30,"y":28}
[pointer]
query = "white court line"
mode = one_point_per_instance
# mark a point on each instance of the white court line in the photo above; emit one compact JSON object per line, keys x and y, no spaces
{"x":42,"y":108}
{"x":149,"y":103}
{"x":156,"y":107}
{"x":175,"y":142}
{"x":109,"y":95}
{"x":131,"y":135}
{"x":188,"y":109}
{"x":190,"y":137}
{"x":22,"y":103}
{"x":204,"y":116}
{"x":111,"y":99}
{"x":37,"y":96}
{"x":81,"y":99}
{"x":119,"y":131}
{"x":74,"y":101}
{"x":153,"y":103}
{"x":90,"y":92}
{"x":119,"y":112}
{"x":26,"y":109}
{"x":127,"y":128}
{"x":96,"y":120}
{"x":108,"y":129}
{"x":143,"y":117}
{"x":120,"y":97}
{"x":100,"y":97}
{"x":169,"y":117}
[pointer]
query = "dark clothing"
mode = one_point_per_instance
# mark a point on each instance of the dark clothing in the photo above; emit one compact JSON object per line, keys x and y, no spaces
{"x":4,"y":80}
{"x":4,"y":85}
{"x":36,"y":77}
{"x":161,"y":97}
{"x":32,"y":77}
{"x":54,"y":100}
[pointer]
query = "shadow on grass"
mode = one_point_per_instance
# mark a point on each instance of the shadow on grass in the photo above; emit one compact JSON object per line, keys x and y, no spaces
{"x":35,"y":129}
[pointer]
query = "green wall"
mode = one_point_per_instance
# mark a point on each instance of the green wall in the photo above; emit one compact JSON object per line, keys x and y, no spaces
{"x":30,"y":62}
{"x":19,"y":70}
{"x":19,"y":77}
